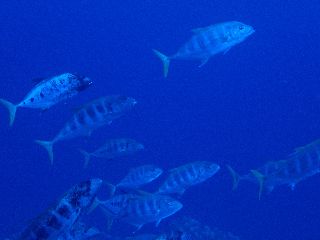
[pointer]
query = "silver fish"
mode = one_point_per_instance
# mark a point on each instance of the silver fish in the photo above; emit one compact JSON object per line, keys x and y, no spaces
{"x":187,"y":228}
{"x":61,"y":218}
{"x":143,"y":237}
{"x":115,"y":205}
{"x":91,"y":116}
{"x":209,"y":41}
{"x":148,"y":208}
{"x":80,"y":232}
{"x":139,"y":176}
{"x":185,"y":176}
{"x":114,"y":148}
{"x":139,"y":237}
{"x":49,"y":92}
{"x":303,"y":163}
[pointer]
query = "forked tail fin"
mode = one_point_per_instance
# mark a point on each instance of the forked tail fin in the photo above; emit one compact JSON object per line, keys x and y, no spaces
{"x":48,"y":145}
{"x":11,"y":108}
{"x":236,"y":177}
{"x":165,"y":61}
{"x":87,"y":157}
{"x":260,"y":177}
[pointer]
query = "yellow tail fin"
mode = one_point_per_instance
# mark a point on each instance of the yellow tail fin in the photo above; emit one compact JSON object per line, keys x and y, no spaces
{"x":165,"y":61}
{"x":48,"y":145}
{"x":11,"y":108}
{"x":236,"y":177}
{"x":260,"y":177}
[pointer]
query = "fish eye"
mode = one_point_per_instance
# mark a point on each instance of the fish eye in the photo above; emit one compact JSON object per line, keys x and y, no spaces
{"x":241,"y":27}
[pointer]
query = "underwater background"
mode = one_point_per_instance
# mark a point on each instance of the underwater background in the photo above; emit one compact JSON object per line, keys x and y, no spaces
{"x":254,"y":104}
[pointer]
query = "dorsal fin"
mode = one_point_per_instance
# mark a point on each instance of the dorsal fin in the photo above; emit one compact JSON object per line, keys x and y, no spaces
{"x":304,"y":148}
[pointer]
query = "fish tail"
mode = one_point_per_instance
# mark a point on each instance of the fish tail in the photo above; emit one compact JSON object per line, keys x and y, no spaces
{"x":87,"y":157}
{"x":48,"y":145}
{"x":165,"y":61}
{"x":11,"y":108}
{"x":260,"y":177}
{"x":236,"y":177}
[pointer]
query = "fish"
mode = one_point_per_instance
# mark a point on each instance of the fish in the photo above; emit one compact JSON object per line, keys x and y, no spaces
{"x":207,"y":42}
{"x":264,"y":176}
{"x":49,"y":92}
{"x":80,"y":232}
{"x":90,"y":117}
{"x":113,"y":206}
{"x":143,"y":237}
{"x":114,"y":148}
{"x":303,"y":163}
{"x":60,"y":218}
{"x":186,"y":228}
{"x":185,"y":176}
{"x":139,"y":237}
{"x":140,"y":176}
{"x":148,"y":208}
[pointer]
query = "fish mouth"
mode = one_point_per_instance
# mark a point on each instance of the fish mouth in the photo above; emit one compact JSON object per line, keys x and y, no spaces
{"x":85,"y":83}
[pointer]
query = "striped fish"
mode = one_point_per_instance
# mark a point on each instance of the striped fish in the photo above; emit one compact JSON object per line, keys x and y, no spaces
{"x":139,"y":176}
{"x":115,"y":205}
{"x":188,"y":175}
{"x":81,"y":232}
{"x":186,"y":228}
{"x":49,"y":92}
{"x":303,"y":163}
{"x":91,"y":116}
{"x":146,"y":237}
{"x":209,"y":41}
{"x":148,"y":208}
{"x":61,"y":218}
{"x":114,"y":148}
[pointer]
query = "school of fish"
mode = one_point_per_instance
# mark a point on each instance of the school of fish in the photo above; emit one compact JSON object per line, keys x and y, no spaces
{"x":127,"y":202}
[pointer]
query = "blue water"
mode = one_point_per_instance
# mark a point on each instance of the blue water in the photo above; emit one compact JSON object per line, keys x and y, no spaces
{"x":254,"y":104}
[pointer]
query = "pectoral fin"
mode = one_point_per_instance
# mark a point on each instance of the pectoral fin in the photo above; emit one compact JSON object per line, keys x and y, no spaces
{"x":204,"y":61}
{"x":158,"y":222}
{"x":225,"y":51}
{"x":138,"y":227}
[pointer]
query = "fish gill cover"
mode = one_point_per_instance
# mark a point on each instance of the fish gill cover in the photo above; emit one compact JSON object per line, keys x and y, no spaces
{"x":116,"y":86}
